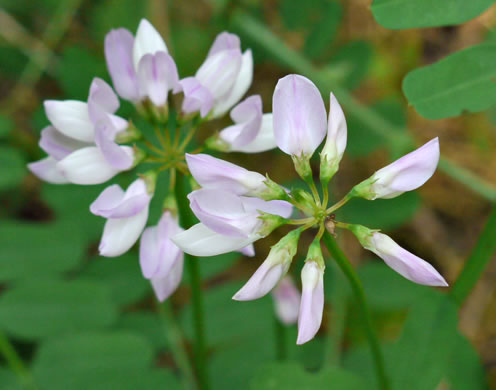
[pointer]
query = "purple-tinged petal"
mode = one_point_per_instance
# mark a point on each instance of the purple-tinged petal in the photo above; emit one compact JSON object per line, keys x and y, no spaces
{"x":46,"y":169}
{"x":407,"y":173}
{"x":272,"y":269}
{"x":196,"y":96}
{"x":224,"y":41}
{"x":264,"y":140}
{"x":241,"y":85}
{"x":116,"y":155}
{"x":286,"y":301}
{"x":223,"y":212}
{"x":200,"y":241}
{"x":248,"y":250}
{"x":157,"y":75}
{"x":277,"y":207}
{"x":336,"y":133}
{"x":119,"y":57}
{"x":71,"y":118}
{"x":120,"y":234}
{"x":57,"y":144}
{"x":211,"y":172}
{"x":219,"y":72}
{"x":405,"y":263}
{"x":148,"y":41}
{"x":312,"y":302}
{"x":247,"y":117}
{"x":88,"y":166}
{"x":299,"y":116}
{"x":158,"y":254}
{"x":164,"y":286}
{"x":102,"y":94}
{"x":113,"y":202}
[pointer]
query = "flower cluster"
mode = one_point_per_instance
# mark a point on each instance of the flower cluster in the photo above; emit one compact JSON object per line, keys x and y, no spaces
{"x":237,"y":207}
{"x":87,"y":143}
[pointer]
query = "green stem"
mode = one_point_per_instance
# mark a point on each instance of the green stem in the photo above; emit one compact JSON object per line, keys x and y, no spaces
{"x":280,"y":339}
{"x":478,"y":260}
{"x":15,"y":362}
{"x":173,"y":334}
{"x":329,"y":80}
{"x":193,"y":267}
{"x":359,"y":292}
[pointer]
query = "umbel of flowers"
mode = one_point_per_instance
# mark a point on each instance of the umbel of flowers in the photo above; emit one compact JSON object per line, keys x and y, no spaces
{"x":87,"y":143}
{"x":232,"y":213}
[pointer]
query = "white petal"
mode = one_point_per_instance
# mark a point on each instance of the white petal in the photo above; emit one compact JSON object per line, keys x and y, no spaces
{"x":120,"y":234}
{"x":71,"y":118}
{"x":199,"y":240}
{"x":88,"y":166}
{"x":147,"y":41}
{"x":241,"y":85}
{"x":264,"y":140}
{"x":46,"y":169}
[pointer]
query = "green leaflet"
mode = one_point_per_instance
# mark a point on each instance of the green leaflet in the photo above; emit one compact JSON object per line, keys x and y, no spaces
{"x":463,"y":81}
{"x":401,"y":14}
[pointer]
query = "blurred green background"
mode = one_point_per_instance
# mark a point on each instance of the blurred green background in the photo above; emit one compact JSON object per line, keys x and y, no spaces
{"x":85,"y":322}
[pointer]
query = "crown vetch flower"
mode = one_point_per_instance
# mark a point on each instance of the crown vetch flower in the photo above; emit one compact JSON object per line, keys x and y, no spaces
{"x":405,"y":263}
{"x":312,"y":298}
{"x":286,"y":301}
{"x":140,"y":67}
{"x":160,"y":259}
{"x":126,"y":214}
{"x":272,"y":270}
{"x":405,"y":174}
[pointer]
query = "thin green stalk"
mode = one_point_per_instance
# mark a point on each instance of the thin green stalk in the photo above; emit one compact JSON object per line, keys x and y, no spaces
{"x":193,"y":268}
{"x":478,"y":260}
{"x":329,"y":80}
{"x":359,"y":293}
{"x":15,"y":362}
{"x":173,"y":334}
{"x":280,"y":339}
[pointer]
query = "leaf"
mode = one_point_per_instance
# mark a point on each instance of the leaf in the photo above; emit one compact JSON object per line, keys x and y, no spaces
{"x":426,"y":343}
{"x":363,"y":140}
{"x":290,"y":376}
{"x":228,"y":320}
{"x":402,"y":14}
{"x":37,"y":309}
{"x":12,"y":168}
{"x":77,"y":69}
{"x":324,"y":30}
{"x":463,"y":81}
{"x":383,"y":214}
{"x":98,"y":361}
{"x":122,"y":275}
{"x":38,"y":250}
{"x":147,"y":325}
{"x":385,"y":289}
{"x":8,"y":380}
{"x":465,"y":370}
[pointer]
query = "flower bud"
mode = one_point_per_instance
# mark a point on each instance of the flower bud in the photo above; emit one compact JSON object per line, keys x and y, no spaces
{"x":286,"y":301}
{"x":405,"y":263}
{"x":272,"y":269}
{"x":405,"y":174}
{"x":335,"y":141}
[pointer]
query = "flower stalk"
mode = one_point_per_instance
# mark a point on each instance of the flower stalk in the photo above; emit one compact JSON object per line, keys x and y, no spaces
{"x":357,"y":287}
